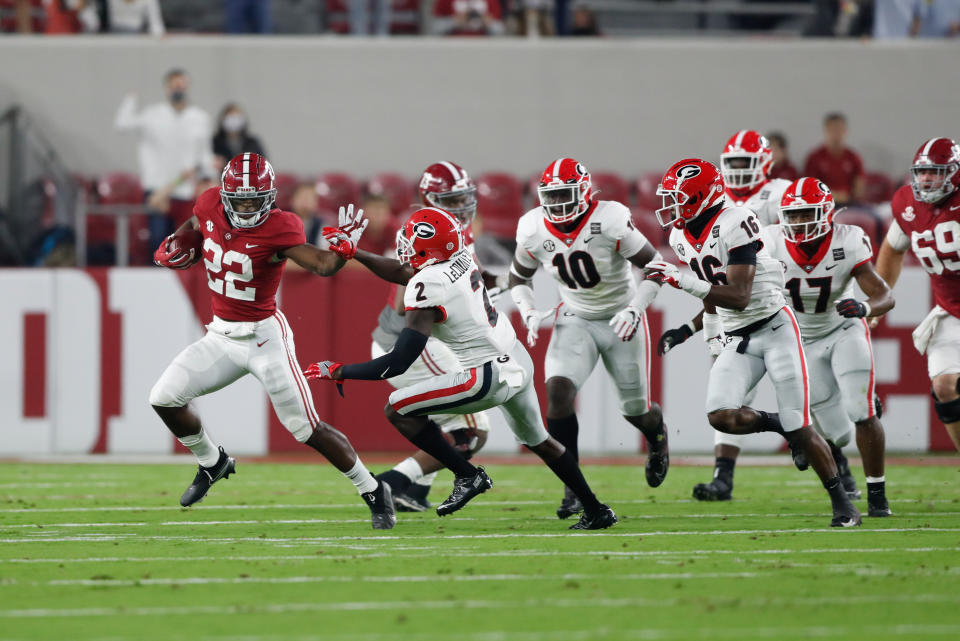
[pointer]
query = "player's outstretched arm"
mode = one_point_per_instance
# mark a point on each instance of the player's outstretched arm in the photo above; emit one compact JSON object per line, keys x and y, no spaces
{"x":389,"y":269}
{"x":735,"y":294}
{"x":889,"y":263}
{"x":319,"y":261}
{"x":879,"y":296}
{"x":522,"y":294}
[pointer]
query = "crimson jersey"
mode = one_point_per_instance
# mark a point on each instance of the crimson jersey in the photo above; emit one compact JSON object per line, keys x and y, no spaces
{"x":933,"y":232}
{"x":243,"y":269}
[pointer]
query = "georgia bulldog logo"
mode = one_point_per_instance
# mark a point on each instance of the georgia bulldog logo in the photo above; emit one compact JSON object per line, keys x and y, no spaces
{"x":688,"y":171}
{"x":424,"y":230}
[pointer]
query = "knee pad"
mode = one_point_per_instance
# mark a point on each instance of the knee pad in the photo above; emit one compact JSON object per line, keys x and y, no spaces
{"x":634,"y":408}
{"x":948,"y":412}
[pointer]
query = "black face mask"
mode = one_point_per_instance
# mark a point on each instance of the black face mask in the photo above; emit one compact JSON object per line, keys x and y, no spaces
{"x":178,"y":96}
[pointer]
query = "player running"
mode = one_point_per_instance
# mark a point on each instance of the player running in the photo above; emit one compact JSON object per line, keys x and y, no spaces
{"x":446,"y":298}
{"x":737,"y":279}
{"x":445,"y":185}
{"x":245,"y":244}
{"x":589,"y":246}
{"x":821,"y":259}
{"x":926,"y":219}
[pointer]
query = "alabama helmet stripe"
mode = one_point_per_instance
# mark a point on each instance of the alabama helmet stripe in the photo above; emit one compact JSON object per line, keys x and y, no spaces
{"x":452,"y":169}
{"x":246,"y":169}
{"x":926,"y":147}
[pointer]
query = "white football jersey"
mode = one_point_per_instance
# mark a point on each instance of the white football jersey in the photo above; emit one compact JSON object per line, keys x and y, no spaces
{"x":708,"y":256}
{"x":815,"y":283}
{"x":471,"y":327}
{"x":590,"y":263}
{"x":765,"y":203}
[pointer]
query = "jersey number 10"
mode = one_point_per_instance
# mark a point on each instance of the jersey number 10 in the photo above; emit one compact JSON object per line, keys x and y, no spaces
{"x":582,"y":268}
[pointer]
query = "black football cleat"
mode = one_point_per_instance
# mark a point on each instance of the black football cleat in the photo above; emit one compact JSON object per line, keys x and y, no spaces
{"x":207,"y":476}
{"x":570,"y":504}
{"x":848,"y":517}
{"x":715,"y":490}
{"x":464,"y":489}
{"x":600,"y":519}
{"x":414,"y":499}
{"x":380,"y":502}
{"x":878,"y":506}
{"x":658,"y":461}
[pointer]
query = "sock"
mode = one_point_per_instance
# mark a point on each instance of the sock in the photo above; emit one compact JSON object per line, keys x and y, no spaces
{"x":843,"y":466}
{"x":566,"y":468}
{"x":876,"y":487}
{"x":410,"y":469}
{"x":838,"y":496}
{"x":769,"y":422}
{"x":203,"y":448}
{"x":723,"y":470}
{"x":430,"y":439}
{"x":655,"y":437}
{"x":397,"y":481}
{"x":418,"y":492}
{"x":427,"y":479}
{"x":361,"y":477}
{"x":565,"y":430}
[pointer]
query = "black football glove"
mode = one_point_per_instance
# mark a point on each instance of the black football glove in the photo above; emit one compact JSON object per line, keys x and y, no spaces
{"x":851,"y":308}
{"x":673,"y":337}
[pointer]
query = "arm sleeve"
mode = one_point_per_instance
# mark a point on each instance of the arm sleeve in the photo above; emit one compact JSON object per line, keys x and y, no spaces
{"x":744,"y":255}
{"x":523,"y":257}
{"x":407,"y":349}
{"x":897,"y":238}
{"x":127,"y":118}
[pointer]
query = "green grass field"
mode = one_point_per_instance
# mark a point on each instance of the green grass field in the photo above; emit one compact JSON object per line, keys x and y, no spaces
{"x":285,"y":552}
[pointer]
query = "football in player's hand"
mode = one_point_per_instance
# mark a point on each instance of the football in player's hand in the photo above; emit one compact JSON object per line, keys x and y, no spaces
{"x":188,"y":243}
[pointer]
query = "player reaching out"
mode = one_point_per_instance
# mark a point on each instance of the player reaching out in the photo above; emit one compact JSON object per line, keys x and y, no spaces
{"x":446,"y":298}
{"x":821,"y":259}
{"x":590,"y":246}
{"x":737,"y":279}
{"x":245,"y":245}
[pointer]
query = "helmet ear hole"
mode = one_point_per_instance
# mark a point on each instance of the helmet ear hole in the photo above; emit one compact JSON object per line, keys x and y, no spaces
{"x":422,"y":253}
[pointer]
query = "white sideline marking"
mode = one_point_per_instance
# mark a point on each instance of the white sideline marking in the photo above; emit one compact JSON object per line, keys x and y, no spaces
{"x":450,"y":537}
{"x":49,"y":484}
{"x":53,"y":526}
{"x":431,"y":552}
{"x":282,"y":608}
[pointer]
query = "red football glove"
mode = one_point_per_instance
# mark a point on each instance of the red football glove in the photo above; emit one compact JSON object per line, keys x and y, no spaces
{"x":340,"y":242}
{"x":323,"y":371}
{"x":177,"y":259}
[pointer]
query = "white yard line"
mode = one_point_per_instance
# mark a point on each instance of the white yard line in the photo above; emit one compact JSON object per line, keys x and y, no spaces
{"x":427,"y":551}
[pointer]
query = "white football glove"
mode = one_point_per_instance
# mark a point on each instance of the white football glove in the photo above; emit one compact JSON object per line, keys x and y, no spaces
{"x":351,"y":223}
{"x":715,"y":345}
{"x":666,"y":273}
{"x":625,"y":323}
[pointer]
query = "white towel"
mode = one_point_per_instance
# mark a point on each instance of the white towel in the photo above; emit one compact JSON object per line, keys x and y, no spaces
{"x":925,"y":330}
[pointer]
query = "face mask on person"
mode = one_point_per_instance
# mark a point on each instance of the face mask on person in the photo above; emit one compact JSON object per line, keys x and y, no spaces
{"x":178,"y":96}
{"x":234,"y":122}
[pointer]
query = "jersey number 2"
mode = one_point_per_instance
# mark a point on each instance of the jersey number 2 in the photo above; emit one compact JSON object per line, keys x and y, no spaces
{"x":227,"y":285}
{"x":476,"y":282}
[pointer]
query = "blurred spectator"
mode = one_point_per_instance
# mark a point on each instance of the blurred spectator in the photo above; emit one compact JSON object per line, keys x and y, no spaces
{"x":133,"y":16}
{"x":359,"y":11}
{"x":782,"y":167}
{"x":173,"y":147}
{"x":248,"y":16}
{"x":303,"y":203}
{"x":583,"y":21}
{"x":71,"y":16}
{"x":842,"y":18}
{"x":836,"y":164}
{"x":916,"y":18}
{"x":381,"y":233}
{"x":232,"y":136}
{"x":531,"y":18}
{"x":467,"y":18}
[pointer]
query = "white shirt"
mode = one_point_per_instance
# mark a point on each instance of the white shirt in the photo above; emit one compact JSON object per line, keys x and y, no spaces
{"x":590,"y":263}
{"x":471,"y":327}
{"x":129,"y":16}
{"x":170,"y":142}
{"x":765,"y":203}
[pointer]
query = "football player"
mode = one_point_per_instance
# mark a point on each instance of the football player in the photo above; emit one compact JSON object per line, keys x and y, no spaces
{"x":926,"y":219}
{"x":446,"y":298}
{"x":445,"y":185}
{"x":589,"y":246}
{"x":821,"y":259}
{"x":246,"y":242}
{"x":739,"y":281}
{"x":745,"y":163}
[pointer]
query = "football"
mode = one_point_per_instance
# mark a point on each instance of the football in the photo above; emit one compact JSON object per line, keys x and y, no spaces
{"x":190,"y":242}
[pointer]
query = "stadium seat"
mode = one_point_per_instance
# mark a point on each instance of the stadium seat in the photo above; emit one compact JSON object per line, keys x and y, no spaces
{"x":611,"y":186}
{"x":500,"y":203}
{"x":405,"y":16}
{"x":646,"y":222}
{"x":878,"y":188}
{"x":866,"y":219}
{"x":336,"y":16}
{"x":647,"y":198}
{"x":286,"y":185}
{"x":335,"y":189}
{"x":399,"y":190}
{"x":117,"y":188}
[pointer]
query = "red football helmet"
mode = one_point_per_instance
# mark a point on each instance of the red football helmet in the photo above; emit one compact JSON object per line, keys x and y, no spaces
{"x":447,"y":186}
{"x":429,"y":236}
{"x":934,"y":174}
{"x":565,"y":190}
{"x":806,"y":210}
{"x":689,"y":188}
{"x":746,"y":160}
{"x":248,"y":190}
